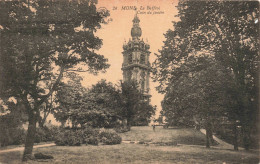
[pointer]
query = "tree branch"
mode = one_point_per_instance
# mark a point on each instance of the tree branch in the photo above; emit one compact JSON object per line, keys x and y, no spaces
{"x":54,"y":85}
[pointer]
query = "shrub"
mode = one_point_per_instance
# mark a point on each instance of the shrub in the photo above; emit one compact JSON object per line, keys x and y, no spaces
{"x":18,"y":137}
{"x":68,"y":137}
{"x":90,"y":132}
{"x":39,"y":135}
{"x":90,"y":136}
{"x":109,"y":138}
{"x":74,"y":138}
{"x":60,"y":138}
{"x":122,"y":129}
{"x":44,"y":135}
{"x":12,"y":136}
{"x":91,"y":140}
{"x":49,"y":133}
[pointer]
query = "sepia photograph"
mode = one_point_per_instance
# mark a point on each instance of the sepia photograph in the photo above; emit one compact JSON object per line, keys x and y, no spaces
{"x":129,"y":81}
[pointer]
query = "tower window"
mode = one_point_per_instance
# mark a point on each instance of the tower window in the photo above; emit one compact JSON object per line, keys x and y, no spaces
{"x":142,"y":85}
{"x":142,"y":59}
{"x":129,"y":75}
{"x":130,"y":58}
{"x":142,"y":80}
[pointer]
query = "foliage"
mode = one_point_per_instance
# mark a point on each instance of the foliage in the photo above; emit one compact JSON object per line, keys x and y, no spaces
{"x":16,"y":135}
{"x":137,"y":110}
{"x":44,"y":134}
{"x":40,"y":40}
{"x":90,"y":136}
{"x":76,"y":137}
{"x":122,"y":129}
{"x":103,"y":105}
{"x":109,"y":137}
{"x":69,"y":97}
{"x":198,"y":94}
{"x":143,"y":114}
{"x":12,"y":136}
{"x":91,"y":141}
{"x":99,"y":106}
{"x":69,"y":137}
{"x":11,"y":130}
{"x":131,"y":97}
{"x":226,"y":31}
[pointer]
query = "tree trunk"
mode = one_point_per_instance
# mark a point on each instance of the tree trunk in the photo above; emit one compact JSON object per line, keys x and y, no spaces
{"x":129,"y":122}
{"x":30,"y":136}
{"x":211,"y":140}
{"x":246,"y":137}
{"x":207,"y":138}
{"x":235,"y":136}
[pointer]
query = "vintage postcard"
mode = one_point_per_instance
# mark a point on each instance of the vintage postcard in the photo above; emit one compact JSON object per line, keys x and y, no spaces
{"x":129,"y":81}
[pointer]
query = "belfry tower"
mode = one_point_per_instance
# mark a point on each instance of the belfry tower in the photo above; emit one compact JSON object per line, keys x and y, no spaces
{"x":136,"y":65}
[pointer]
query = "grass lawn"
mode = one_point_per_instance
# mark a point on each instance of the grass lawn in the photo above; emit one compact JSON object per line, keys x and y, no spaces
{"x":189,"y":152}
{"x":187,"y":136}
{"x":16,"y":146}
{"x":136,"y":153}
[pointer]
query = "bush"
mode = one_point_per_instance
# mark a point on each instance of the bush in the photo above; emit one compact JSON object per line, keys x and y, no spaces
{"x":91,"y":140}
{"x":109,"y":138}
{"x":39,"y":135}
{"x":122,"y":129}
{"x":76,"y":137}
{"x":12,"y":136}
{"x":17,"y":137}
{"x":90,"y":136}
{"x":44,"y":134}
{"x":60,"y":138}
{"x":90,"y":132}
{"x":68,"y":137}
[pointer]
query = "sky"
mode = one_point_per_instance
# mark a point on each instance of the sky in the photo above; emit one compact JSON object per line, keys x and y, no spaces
{"x":156,"y":18}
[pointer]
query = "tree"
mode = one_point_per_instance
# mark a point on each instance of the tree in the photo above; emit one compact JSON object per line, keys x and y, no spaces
{"x":103,"y":105}
{"x":40,"y":40}
{"x":109,"y":99}
{"x":100,"y":106}
{"x":198,"y":97}
{"x":137,"y":110}
{"x":143,"y":114}
{"x":69,"y":98}
{"x":229,"y":31}
{"x":46,"y":109}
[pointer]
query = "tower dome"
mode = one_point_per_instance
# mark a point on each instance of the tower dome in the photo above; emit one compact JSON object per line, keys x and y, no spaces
{"x":136,"y":31}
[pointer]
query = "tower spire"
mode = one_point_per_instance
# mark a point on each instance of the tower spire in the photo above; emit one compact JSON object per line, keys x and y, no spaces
{"x":136,"y":31}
